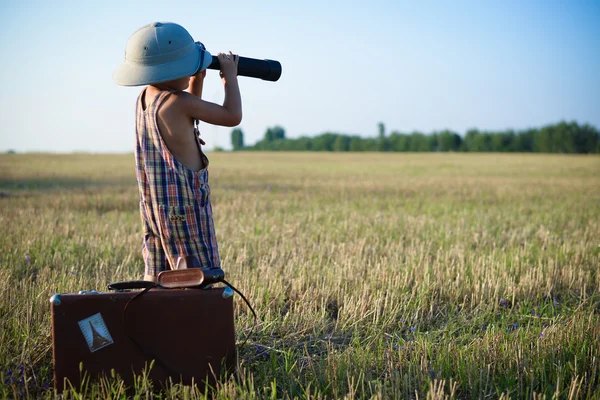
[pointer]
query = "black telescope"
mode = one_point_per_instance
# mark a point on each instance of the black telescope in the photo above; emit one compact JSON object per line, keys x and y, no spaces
{"x":268,"y":70}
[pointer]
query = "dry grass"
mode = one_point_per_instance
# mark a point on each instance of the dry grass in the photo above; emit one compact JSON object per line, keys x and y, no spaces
{"x":374,"y":275}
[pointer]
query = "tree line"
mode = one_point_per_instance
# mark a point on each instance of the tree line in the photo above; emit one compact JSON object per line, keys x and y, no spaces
{"x":562,"y":137}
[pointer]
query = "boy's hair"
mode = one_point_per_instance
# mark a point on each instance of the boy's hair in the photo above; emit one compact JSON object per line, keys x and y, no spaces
{"x":160,"y":52}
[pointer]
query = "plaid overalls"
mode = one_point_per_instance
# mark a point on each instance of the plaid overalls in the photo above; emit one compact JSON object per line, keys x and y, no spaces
{"x":174,"y":200}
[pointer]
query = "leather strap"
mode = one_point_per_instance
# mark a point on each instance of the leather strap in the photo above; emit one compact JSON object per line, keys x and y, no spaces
{"x":126,"y":285}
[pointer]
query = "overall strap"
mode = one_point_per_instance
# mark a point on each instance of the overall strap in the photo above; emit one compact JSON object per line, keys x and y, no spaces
{"x":152,"y":126}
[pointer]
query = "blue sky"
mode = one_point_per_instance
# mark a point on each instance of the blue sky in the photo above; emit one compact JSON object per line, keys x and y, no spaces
{"x":347,"y":65}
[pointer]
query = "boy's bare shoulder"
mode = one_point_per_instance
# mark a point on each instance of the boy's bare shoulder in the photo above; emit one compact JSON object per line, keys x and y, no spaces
{"x":180,"y":101}
{"x":178,"y":96}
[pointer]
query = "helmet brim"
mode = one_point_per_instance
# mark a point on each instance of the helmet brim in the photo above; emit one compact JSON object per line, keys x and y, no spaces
{"x":136,"y":74}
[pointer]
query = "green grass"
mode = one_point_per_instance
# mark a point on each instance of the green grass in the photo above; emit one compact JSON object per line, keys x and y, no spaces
{"x":374,"y":275}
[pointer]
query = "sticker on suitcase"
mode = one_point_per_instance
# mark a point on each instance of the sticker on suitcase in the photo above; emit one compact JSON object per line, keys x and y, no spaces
{"x":95,"y":332}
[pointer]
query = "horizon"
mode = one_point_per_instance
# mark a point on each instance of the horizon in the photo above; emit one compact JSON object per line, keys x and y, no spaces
{"x":387,"y":135}
{"x":427,"y":68}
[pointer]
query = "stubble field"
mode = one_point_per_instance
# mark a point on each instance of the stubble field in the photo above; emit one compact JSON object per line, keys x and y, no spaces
{"x":374,"y":275}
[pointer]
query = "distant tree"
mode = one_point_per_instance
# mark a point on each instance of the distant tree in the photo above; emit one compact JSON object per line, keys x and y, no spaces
{"x":278,"y":132}
{"x":431,"y":142}
{"x":416,"y":141}
{"x":523,"y":141}
{"x":342,"y":143}
{"x":370,"y":144}
{"x":303,"y":143}
{"x":237,"y":139}
{"x":406,"y":140}
{"x":478,"y":141}
{"x":587,"y":140}
{"x":382,"y":142}
{"x":486,"y":141}
{"x":356,"y":144}
{"x":269,"y":135}
{"x":324,"y":142}
{"x":448,"y":141}
{"x":398,"y":142}
{"x":469,"y":140}
{"x":274,"y":133}
{"x":502,"y":141}
{"x":279,"y":145}
{"x":508,"y":140}
{"x":542,"y":140}
{"x":403,"y":143}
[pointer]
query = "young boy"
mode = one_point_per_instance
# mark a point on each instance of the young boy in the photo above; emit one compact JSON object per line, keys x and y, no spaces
{"x":172,"y":170}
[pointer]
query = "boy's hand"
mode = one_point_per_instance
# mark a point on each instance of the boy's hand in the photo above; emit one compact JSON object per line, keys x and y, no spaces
{"x":228,"y":64}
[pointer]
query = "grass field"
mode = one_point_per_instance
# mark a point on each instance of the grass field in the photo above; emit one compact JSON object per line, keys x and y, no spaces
{"x":374,"y":275}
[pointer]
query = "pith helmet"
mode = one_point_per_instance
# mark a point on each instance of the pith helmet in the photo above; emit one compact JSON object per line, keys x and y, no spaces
{"x":160,"y":52}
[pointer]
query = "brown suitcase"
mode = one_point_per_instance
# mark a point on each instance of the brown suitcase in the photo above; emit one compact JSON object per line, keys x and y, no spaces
{"x":189,"y":333}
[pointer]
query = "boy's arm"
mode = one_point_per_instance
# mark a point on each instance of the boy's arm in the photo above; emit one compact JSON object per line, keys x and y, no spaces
{"x":228,"y":114}
{"x":196,"y":83}
{"x":233,"y":99}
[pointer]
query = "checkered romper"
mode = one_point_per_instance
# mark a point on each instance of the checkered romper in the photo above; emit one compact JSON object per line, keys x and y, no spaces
{"x":174,"y":200}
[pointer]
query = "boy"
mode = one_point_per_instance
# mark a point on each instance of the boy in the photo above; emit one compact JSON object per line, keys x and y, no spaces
{"x":172,"y":170}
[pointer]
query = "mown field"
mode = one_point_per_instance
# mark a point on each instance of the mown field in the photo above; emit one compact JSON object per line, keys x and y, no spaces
{"x":374,"y":275}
